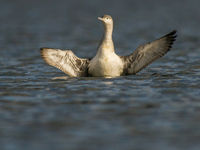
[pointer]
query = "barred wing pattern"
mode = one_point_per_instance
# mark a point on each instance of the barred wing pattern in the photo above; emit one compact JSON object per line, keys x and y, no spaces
{"x":66,"y":61}
{"x":147,"y":53}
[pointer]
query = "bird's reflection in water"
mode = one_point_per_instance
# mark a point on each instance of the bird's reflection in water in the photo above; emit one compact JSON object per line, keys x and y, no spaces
{"x":61,"y":78}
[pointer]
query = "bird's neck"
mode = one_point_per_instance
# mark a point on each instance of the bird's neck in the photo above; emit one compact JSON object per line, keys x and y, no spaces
{"x":106,"y":44}
{"x":108,"y":29}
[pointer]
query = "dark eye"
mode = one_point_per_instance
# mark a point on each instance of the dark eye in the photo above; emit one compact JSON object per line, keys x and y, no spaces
{"x":107,"y":18}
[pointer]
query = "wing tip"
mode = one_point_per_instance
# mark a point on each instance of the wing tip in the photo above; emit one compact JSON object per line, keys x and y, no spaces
{"x":43,"y":53}
{"x":170,"y":38}
{"x":42,"y":48}
{"x":173,"y":32}
{"x":172,"y":35}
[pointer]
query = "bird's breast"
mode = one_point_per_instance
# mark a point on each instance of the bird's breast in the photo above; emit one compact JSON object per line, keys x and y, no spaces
{"x":106,"y":66}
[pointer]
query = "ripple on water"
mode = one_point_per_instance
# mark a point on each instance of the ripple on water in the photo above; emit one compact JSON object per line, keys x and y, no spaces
{"x":41,"y":108}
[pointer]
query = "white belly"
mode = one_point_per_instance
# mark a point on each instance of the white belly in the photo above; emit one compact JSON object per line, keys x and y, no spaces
{"x":106,"y":66}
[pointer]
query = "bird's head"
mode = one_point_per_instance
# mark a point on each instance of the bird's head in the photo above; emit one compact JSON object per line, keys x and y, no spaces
{"x":106,"y":19}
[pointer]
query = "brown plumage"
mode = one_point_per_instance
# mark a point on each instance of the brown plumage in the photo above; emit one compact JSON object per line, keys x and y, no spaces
{"x":66,"y":61}
{"x":147,"y":53}
{"x":107,"y":62}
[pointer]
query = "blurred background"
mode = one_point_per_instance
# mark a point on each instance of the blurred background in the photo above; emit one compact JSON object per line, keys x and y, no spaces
{"x":157,"y":109}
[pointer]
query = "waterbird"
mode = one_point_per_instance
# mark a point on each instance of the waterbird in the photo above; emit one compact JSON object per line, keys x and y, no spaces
{"x":106,"y":62}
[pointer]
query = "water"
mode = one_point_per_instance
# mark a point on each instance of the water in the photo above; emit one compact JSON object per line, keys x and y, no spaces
{"x":159,"y":108}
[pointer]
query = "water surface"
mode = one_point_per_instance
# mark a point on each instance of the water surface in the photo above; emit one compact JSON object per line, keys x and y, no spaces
{"x":159,"y":108}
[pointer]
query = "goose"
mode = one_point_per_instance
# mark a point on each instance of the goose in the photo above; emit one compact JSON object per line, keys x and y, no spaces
{"x":106,"y":63}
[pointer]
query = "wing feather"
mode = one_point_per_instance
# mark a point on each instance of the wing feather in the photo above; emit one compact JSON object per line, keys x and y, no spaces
{"x":66,"y":61}
{"x":147,"y":53}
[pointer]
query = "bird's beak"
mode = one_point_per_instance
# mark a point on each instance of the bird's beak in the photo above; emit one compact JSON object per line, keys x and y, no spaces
{"x":100,"y":18}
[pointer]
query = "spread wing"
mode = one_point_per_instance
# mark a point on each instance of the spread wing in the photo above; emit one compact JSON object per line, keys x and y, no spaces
{"x":66,"y":61}
{"x":147,"y":53}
